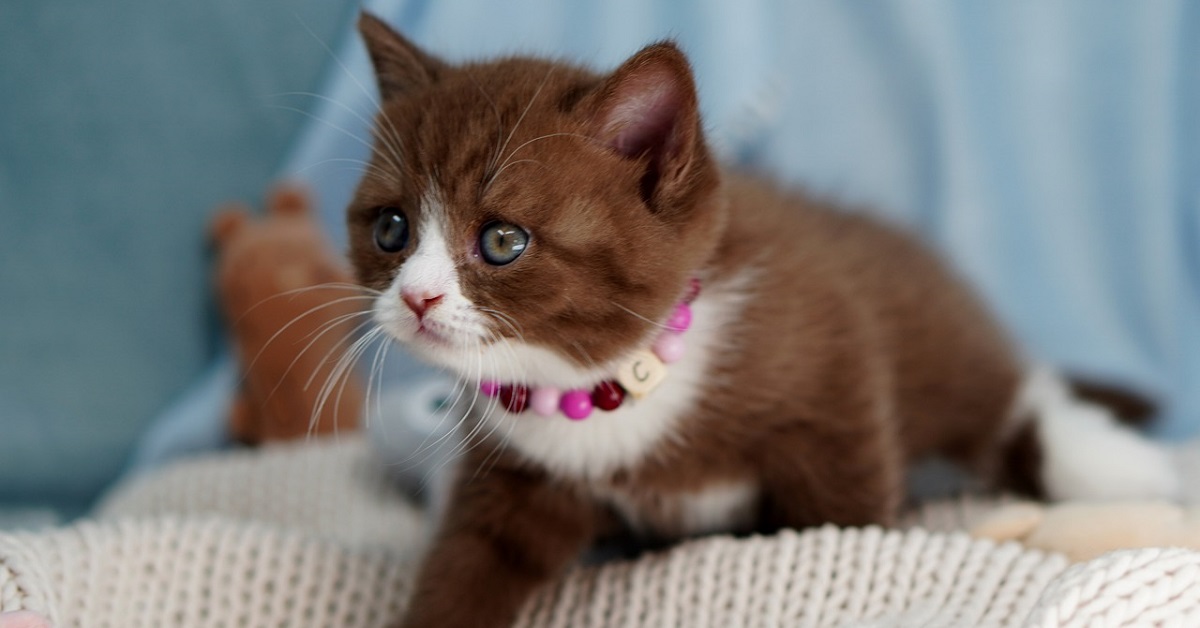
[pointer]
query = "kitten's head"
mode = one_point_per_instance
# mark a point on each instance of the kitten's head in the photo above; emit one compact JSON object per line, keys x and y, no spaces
{"x":529,"y":220}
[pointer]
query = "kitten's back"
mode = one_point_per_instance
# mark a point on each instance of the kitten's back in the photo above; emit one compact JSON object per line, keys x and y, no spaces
{"x":949,"y":365}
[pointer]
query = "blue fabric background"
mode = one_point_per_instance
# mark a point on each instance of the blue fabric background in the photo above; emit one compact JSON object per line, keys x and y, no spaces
{"x":122,"y":124}
{"x":1051,"y":148}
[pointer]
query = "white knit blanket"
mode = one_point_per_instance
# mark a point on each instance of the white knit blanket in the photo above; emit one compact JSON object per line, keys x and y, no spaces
{"x":313,"y":535}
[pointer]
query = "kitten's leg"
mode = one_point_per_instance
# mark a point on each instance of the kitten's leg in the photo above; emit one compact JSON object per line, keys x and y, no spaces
{"x":1075,"y":449}
{"x":845,"y":466}
{"x":848,"y":477}
{"x":839,"y":459}
{"x":506,"y":531}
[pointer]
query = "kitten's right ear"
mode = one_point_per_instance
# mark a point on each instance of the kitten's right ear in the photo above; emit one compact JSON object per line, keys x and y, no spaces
{"x":647,"y":110}
{"x":400,"y":66}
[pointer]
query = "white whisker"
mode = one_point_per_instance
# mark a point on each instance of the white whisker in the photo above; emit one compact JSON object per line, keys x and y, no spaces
{"x":341,"y":371}
{"x":365,"y":168}
{"x":499,"y":122}
{"x":288,"y":325}
{"x":325,"y":359}
{"x":521,"y":119}
{"x":390,"y":141}
{"x":503,"y":418}
{"x":536,"y":139}
{"x":505,"y":319}
{"x":374,"y":150}
{"x":362,"y":88}
{"x":325,"y":327}
{"x":376,"y":369}
{"x":298,"y":291}
{"x":513,"y":163}
{"x":460,"y":386}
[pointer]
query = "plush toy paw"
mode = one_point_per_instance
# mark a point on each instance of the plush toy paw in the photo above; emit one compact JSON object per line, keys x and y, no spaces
{"x":1085,"y":530}
{"x":23,"y":619}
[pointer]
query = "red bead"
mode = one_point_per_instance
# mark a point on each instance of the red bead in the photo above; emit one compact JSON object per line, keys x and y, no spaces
{"x":608,"y":395}
{"x":515,"y":398}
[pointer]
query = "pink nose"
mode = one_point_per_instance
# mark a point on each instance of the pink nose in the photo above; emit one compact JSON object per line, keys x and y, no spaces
{"x":420,"y":302}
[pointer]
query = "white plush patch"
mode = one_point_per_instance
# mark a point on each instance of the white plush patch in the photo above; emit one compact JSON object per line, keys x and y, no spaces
{"x":716,"y":508}
{"x":1187,"y":460}
{"x":1086,"y":453}
{"x":608,"y":440}
{"x":719,"y":508}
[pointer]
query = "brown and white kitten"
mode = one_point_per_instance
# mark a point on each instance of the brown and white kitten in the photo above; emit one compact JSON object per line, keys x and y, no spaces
{"x":534,"y":222}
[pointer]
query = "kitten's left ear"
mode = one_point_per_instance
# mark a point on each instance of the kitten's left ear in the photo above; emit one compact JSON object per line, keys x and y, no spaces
{"x":400,"y":66}
{"x":647,"y":109}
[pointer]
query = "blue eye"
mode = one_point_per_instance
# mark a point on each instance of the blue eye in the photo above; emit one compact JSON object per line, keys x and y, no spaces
{"x":500,"y":243}
{"x":391,"y":230}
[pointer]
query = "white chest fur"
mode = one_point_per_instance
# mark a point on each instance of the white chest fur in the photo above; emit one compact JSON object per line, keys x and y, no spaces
{"x":719,"y":507}
{"x":608,"y":441}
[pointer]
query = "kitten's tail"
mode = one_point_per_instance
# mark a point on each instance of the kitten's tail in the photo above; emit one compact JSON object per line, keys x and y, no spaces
{"x":1064,"y":447}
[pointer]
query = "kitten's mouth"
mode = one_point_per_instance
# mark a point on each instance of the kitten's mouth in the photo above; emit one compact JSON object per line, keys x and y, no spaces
{"x":425,"y":332}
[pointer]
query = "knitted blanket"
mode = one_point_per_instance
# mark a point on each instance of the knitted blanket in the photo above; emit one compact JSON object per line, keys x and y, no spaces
{"x":314,"y":535}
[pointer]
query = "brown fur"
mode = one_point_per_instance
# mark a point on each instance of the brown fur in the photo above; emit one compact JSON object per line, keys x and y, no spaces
{"x":856,"y":353}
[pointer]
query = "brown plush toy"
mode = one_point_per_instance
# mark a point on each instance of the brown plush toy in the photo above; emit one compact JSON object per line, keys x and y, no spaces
{"x":290,"y":305}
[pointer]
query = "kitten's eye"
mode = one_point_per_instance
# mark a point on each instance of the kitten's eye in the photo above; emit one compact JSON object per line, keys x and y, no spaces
{"x":500,"y":243}
{"x":391,"y":230}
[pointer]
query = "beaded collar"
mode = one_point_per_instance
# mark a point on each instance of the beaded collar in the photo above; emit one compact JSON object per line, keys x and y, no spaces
{"x":639,"y":375}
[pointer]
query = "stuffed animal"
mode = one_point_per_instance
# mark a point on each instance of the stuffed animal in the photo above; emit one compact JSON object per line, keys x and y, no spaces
{"x":291,"y":306}
{"x":1085,"y":530}
{"x":23,"y":619}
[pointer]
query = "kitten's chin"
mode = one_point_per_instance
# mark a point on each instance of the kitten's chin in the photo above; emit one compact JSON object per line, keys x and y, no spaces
{"x":475,"y":357}
{"x":506,"y":361}
{"x":432,"y":337}
{"x":436,"y":347}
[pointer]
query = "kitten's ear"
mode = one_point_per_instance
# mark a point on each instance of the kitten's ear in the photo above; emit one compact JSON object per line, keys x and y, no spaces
{"x":647,"y":109}
{"x":400,"y":66}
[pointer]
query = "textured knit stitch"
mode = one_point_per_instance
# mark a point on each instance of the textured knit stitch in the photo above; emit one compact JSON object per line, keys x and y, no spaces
{"x":310,"y":535}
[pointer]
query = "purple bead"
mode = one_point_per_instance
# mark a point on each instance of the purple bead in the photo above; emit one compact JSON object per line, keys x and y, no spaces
{"x":544,"y":401}
{"x":489,"y":387}
{"x":669,"y":348}
{"x":681,"y":318}
{"x":576,"y":404}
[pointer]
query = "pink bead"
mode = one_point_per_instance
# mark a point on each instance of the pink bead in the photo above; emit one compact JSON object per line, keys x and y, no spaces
{"x":576,"y":404}
{"x":489,"y":387}
{"x":669,"y":347}
{"x":544,"y":401}
{"x":681,"y":318}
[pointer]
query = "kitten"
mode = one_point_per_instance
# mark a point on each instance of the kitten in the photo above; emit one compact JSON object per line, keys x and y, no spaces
{"x":536,"y":224}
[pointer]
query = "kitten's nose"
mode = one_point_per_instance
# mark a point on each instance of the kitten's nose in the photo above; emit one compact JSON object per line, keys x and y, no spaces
{"x":420,"y":301}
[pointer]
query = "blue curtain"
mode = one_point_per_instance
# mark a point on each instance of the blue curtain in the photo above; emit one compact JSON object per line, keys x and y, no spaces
{"x":1049,"y":148}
